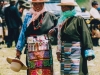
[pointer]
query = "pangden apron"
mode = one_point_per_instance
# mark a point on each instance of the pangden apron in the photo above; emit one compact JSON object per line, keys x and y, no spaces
{"x":39,"y":55}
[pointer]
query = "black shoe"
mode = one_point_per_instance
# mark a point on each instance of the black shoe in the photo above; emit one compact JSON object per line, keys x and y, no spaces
{"x":8,"y":46}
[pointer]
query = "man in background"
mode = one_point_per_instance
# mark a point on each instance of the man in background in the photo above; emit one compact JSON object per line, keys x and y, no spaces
{"x":19,"y":6}
{"x":95,"y":15}
{"x":13,"y":21}
{"x":93,"y":11}
{"x":27,"y":5}
{"x":1,"y":22}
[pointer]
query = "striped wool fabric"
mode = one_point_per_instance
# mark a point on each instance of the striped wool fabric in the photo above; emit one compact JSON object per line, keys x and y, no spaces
{"x":70,"y":58}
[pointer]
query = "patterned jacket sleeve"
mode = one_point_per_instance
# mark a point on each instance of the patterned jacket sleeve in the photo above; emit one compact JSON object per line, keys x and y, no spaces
{"x":21,"y":39}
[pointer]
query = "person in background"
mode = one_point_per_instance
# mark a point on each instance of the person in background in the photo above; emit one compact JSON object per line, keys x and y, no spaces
{"x":5,"y":30}
{"x":95,"y":21}
{"x":74,"y":46}
{"x":85,"y":14}
{"x":1,"y":6}
{"x":20,"y":6}
{"x":2,"y":34}
{"x":13,"y":21}
{"x":6,"y":4}
{"x":98,"y":9}
{"x":93,"y":11}
{"x":27,"y":6}
{"x":34,"y":34}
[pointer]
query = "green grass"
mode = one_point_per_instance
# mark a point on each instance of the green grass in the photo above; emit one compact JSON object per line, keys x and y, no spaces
{"x":86,"y":3}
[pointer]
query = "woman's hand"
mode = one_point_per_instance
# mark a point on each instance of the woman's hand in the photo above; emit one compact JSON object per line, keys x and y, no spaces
{"x":58,"y":56}
{"x":51,"y":31}
{"x":89,"y":58}
{"x":18,"y":54}
{"x":89,"y":54}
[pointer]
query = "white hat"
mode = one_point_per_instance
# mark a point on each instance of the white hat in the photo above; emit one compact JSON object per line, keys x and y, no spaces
{"x":67,"y":3}
{"x":27,"y":4}
{"x":16,"y":64}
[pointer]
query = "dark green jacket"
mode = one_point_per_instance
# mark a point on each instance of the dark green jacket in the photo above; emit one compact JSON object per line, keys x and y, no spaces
{"x":76,"y":29}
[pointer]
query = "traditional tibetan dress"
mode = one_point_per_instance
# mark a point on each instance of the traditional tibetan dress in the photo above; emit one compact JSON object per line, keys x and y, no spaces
{"x":38,"y":49}
{"x":73,"y":40}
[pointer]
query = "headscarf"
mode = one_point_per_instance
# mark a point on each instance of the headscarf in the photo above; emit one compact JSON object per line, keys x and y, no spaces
{"x":35,"y":14}
{"x":65,"y":15}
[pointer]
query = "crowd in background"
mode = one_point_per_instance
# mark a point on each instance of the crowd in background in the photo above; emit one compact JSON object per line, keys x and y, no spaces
{"x":94,"y":17}
{"x":12,"y":14}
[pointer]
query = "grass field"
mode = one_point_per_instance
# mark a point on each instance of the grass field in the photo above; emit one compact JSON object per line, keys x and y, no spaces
{"x":94,"y":67}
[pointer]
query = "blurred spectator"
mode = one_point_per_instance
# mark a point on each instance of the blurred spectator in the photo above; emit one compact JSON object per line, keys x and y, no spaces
{"x":1,"y":13}
{"x":20,"y":7}
{"x":1,"y":5}
{"x":95,"y":21}
{"x":93,"y":11}
{"x":5,"y":30}
{"x":1,"y":22}
{"x":27,"y":6}
{"x":13,"y":21}
{"x":85,"y":14}
{"x":98,"y":9}
{"x":6,"y":4}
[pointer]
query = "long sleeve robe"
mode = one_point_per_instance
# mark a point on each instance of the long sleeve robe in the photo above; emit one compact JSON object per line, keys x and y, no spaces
{"x":76,"y":30}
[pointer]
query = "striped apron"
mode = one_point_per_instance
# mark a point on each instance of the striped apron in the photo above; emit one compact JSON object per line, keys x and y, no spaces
{"x":70,"y":58}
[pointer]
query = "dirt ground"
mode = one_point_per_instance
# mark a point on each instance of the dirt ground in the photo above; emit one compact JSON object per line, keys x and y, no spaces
{"x":94,"y":67}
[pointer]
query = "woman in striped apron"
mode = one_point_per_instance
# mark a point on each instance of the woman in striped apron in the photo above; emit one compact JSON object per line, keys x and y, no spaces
{"x":74,"y":41}
{"x":35,"y":28}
